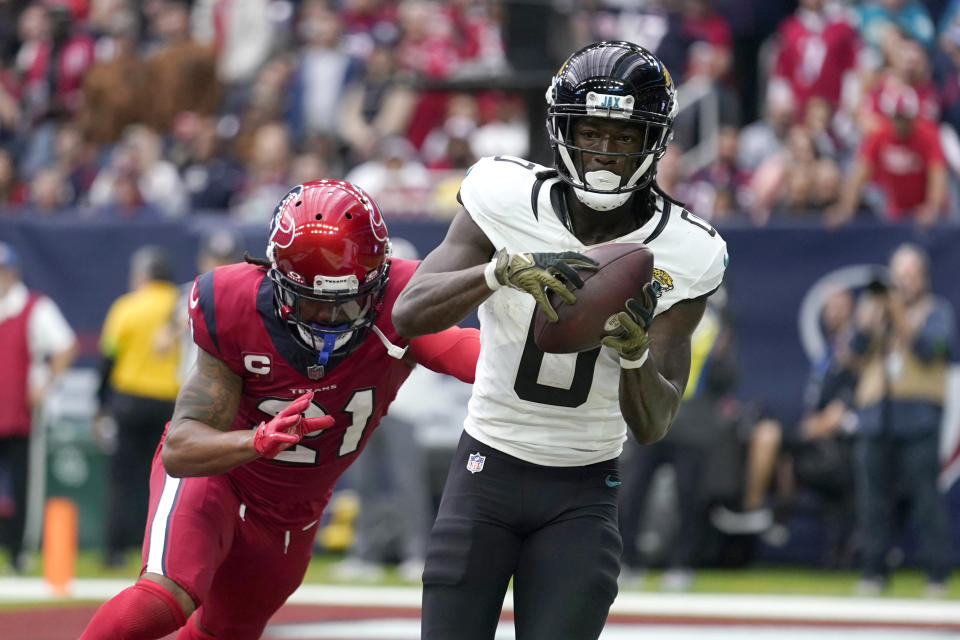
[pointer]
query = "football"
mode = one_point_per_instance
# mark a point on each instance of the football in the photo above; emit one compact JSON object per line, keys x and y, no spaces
{"x":622,"y":271}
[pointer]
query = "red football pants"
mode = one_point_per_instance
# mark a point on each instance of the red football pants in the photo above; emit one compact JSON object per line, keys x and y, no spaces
{"x":238,"y":566}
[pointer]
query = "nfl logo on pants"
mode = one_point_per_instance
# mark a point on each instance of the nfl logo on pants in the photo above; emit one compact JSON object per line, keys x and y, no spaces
{"x":475,"y":462}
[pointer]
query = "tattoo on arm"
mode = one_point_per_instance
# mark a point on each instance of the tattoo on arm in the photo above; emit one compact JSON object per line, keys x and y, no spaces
{"x":211,"y":394}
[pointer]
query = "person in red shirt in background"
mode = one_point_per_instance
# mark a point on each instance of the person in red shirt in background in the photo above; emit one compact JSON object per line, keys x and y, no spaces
{"x":55,"y":67}
{"x":702,"y":23}
{"x":903,"y":158}
{"x":38,"y":346}
{"x":909,"y":66}
{"x":816,"y":47}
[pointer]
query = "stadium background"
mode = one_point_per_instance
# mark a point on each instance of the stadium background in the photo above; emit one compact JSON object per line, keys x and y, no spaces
{"x":775,"y":308}
{"x":474,"y":67}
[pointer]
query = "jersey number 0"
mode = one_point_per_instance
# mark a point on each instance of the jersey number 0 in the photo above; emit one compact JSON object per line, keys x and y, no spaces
{"x":527,"y":387}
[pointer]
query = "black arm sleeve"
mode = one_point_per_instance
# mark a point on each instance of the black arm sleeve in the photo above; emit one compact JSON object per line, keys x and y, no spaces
{"x":103,"y":391}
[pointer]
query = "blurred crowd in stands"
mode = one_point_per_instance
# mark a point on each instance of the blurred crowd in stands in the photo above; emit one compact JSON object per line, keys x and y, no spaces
{"x":861,"y":458}
{"x":161,"y":108}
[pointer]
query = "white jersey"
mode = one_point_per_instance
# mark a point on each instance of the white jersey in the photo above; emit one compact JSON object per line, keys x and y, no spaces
{"x":562,"y":410}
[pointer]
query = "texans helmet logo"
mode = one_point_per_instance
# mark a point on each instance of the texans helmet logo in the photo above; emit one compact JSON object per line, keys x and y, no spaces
{"x":282,"y":225}
{"x":194,"y":297}
{"x":377,"y":225}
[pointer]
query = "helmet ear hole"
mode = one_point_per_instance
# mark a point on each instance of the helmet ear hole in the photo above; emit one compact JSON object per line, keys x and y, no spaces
{"x":299,"y":202}
{"x":319,"y":216}
{"x":348,"y":216}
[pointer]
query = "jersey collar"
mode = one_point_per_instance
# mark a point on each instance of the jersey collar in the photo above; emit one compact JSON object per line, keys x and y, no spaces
{"x":649,"y":230}
{"x":657,"y":222}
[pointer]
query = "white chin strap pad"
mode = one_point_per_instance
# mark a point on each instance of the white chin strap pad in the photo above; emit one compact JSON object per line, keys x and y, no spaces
{"x":601,"y":201}
{"x":602,"y":180}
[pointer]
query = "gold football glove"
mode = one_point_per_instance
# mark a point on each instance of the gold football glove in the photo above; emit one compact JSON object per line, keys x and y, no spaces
{"x":627,"y":330}
{"x":534,"y":273}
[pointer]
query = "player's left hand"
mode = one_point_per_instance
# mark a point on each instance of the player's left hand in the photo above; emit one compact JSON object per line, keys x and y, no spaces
{"x":287,"y":428}
{"x":627,"y":330}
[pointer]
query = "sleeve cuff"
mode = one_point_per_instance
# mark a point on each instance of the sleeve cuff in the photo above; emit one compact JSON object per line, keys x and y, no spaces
{"x":490,"y":276}
{"x":634,"y":364}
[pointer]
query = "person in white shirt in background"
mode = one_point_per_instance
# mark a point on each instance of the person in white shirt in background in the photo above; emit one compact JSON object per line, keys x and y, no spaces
{"x":38,"y":346}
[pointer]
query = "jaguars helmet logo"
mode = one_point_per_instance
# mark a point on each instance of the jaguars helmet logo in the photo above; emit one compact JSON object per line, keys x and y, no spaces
{"x":665,"y":280}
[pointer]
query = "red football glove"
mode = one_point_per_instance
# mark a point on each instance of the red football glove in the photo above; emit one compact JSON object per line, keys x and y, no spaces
{"x":287,"y":428}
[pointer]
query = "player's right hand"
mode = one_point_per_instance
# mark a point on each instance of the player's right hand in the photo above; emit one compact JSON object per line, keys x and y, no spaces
{"x":287,"y":427}
{"x":536,"y":272}
{"x":627,"y":330}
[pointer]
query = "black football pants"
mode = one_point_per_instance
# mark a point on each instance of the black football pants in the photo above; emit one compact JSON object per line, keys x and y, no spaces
{"x":14,"y":454}
{"x":140,"y":423}
{"x":553,"y":529}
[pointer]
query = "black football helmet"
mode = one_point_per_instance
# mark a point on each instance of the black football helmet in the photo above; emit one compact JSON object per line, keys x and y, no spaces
{"x":620,"y":81}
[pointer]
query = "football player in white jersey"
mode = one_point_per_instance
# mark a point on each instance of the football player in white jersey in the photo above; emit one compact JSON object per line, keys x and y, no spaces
{"x":533,"y":488}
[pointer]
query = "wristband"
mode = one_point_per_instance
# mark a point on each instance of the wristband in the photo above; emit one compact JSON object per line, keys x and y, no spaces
{"x":490,"y":276}
{"x":634,"y":364}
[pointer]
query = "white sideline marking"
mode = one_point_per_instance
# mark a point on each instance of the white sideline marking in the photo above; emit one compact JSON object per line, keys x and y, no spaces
{"x":739,"y":607}
{"x":406,"y":629}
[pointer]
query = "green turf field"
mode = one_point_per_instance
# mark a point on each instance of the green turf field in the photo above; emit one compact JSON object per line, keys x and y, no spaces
{"x":905,"y":583}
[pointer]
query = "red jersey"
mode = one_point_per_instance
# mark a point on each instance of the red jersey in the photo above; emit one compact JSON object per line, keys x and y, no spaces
{"x":814,"y":56}
{"x":900,"y":166}
{"x":73,"y":60}
{"x":712,"y":29}
{"x":14,"y":393}
{"x":233,"y":318}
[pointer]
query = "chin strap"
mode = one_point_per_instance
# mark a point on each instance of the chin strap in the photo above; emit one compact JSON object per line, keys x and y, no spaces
{"x":329,"y":344}
{"x":392,"y":350}
{"x":601,"y":201}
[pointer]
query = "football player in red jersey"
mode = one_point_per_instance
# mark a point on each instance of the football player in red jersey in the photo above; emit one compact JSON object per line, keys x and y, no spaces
{"x":298,"y":362}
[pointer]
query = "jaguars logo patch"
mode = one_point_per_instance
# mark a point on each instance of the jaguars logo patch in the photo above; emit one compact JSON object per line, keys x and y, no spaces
{"x":667,"y":77}
{"x":665,"y":280}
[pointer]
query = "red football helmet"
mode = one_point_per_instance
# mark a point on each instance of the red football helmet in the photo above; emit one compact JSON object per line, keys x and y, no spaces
{"x":328,"y":251}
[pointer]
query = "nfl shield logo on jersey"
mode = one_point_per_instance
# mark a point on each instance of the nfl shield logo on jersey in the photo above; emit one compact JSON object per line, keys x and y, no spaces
{"x":475,"y":462}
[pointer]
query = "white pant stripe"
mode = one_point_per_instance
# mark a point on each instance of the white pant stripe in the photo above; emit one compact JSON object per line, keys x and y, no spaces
{"x":158,"y":528}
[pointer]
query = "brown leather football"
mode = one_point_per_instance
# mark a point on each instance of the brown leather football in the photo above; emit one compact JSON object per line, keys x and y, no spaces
{"x":622,"y":271}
